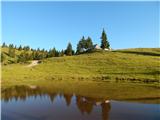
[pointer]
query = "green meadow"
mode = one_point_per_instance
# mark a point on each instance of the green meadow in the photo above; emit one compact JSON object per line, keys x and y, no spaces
{"x":121,"y":74}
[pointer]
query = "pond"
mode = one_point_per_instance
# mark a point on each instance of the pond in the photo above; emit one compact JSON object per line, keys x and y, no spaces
{"x":36,"y":103}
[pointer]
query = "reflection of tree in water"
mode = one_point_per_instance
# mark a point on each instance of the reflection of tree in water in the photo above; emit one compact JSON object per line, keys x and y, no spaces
{"x":17,"y":92}
{"x":52,"y":96}
{"x":105,"y":110}
{"x":84,"y":104}
{"x":21,"y":93}
{"x":68,"y":98}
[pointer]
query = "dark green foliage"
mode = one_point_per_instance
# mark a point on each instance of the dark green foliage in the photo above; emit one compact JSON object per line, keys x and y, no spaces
{"x":68,"y":51}
{"x":73,"y":52}
{"x":2,"y":57}
{"x":49,"y":53}
{"x":27,"y":48}
{"x":37,"y":55}
{"x":81,"y":45}
{"x":38,"y":49}
{"x":84,"y":45}
{"x":89,"y":43}
{"x":43,"y":54}
{"x":62,"y":53}
{"x":32,"y":49}
{"x":27,"y":53}
{"x":4,"y":45}
{"x":20,"y":47}
{"x":104,"y":40}
{"x":57,"y":54}
{"x":11,"y":46}
{"x":31,"y":54}
{"x":24,"y":57}
{"x":52,"y":52}
{"x":11,"y":51}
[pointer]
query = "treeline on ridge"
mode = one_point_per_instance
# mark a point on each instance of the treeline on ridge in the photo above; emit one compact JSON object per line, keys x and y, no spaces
{"x":22,"y":54}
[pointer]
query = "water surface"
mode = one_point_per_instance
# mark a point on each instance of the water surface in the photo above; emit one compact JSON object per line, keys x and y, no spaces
{"x":34,"y":103}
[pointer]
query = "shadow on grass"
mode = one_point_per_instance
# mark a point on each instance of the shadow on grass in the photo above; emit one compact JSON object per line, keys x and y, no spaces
{"x":140,"y":53}
{"x":127,"y":73}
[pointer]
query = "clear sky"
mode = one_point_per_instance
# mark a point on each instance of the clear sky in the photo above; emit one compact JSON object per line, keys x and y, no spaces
{"x":49,"y":24}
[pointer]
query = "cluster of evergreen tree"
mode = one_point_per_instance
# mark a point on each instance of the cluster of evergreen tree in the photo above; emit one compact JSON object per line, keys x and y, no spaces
{"x":11,"y":50}
{"x":86,"y":45}
{"x":34,"y":54}
{"x":27,"y":53}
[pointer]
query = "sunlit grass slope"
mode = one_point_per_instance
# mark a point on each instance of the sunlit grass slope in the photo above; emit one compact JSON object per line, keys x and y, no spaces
{"x":136,"y":65}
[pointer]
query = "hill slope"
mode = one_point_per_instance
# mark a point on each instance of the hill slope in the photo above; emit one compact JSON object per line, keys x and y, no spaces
{"x":140,"y":65}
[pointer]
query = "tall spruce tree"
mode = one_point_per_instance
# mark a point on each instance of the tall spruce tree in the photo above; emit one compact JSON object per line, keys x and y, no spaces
{"x":4,"y":45}
{"x":20,"y":47}
{"x":69,"y":49}
{"x":104,"y":40}
{"x":53,"y":52}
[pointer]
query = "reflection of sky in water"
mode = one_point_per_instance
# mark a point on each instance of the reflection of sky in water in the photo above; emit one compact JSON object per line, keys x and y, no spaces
{"x":26,"y":105}
{"x":44,"y":109}
{"x":134,"y":111}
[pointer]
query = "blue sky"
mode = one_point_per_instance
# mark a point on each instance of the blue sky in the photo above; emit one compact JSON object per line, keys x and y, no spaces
{"x":54,"y":24}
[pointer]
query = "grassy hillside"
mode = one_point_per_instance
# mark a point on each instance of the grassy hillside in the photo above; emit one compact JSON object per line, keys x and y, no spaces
{"x":120,"y":75}
{"x":135,"y":65}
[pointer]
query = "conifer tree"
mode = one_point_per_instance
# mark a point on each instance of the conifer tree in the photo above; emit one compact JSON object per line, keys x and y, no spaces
{"x":11,"y":51}
{"x":20,"y":47}
{"x":4,"y":45}
{"x":69,"y":49}
{"x":62,"y":53}
{"x":89,"y":43}
{"x":84,"y":44}
{"x":104,"y":40}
